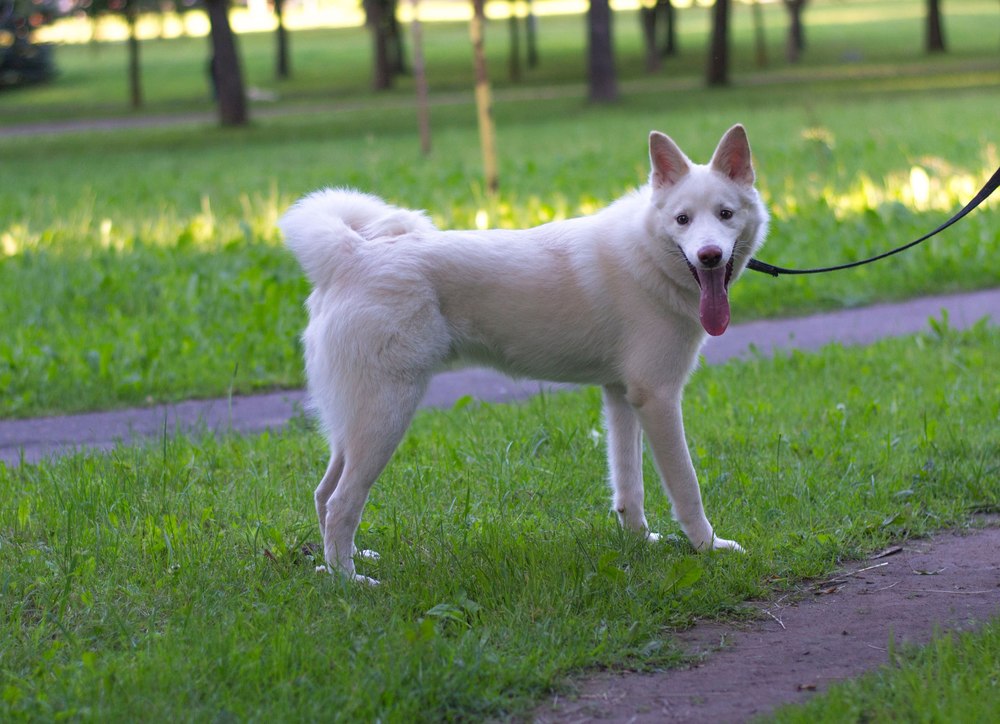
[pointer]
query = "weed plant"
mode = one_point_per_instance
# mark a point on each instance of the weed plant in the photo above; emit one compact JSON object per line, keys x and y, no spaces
{"x":176,"y":580}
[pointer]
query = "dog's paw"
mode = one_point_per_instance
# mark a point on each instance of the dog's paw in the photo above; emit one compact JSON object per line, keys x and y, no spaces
{"x":351,"y":576}
{"x":651,"y":537}
{"x":715,"y":543}
{"x":367,"y":555}
{"x":721,"y":544}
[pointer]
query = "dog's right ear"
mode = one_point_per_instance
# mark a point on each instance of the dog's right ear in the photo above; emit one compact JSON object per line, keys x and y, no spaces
{"x":669,"y":164}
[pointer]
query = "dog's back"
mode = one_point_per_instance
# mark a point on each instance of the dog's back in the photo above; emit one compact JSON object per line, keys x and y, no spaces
{"x":621,"y":298}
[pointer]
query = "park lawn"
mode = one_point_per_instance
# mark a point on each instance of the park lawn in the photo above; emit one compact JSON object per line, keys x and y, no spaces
{"x":952,"y":679}
{"x":145,"y":265}
{"x":175,"y":581}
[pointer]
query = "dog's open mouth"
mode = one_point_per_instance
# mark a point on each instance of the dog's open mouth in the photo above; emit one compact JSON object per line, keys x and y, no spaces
{"x":714,"y":306}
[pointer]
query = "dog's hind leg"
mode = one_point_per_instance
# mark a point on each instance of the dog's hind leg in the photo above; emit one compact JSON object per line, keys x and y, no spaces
{"x":328,"y":484}
{"x":625,"y":461}
{"x":370,"y":436}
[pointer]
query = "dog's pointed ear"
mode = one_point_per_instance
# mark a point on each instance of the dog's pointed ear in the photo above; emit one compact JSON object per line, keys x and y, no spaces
{"x":732,"y":157}
{"x":668,"y":162}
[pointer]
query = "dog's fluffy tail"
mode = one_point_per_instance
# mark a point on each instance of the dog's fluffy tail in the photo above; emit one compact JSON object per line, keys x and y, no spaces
{"x":326,"y":227}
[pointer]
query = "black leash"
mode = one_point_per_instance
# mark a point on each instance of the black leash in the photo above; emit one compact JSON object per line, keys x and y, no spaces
{"x":984,"y":193}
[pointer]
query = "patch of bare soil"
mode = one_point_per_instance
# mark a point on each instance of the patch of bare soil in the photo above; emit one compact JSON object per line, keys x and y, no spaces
{"x":829,"y":630}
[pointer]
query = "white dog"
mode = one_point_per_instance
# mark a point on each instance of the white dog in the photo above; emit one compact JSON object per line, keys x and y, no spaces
{"x":620,"y":299}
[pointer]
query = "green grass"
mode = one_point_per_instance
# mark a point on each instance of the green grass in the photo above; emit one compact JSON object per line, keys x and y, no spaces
{"x":145,"y":265}
{"x":956,"y":678}
{"x":170,"y":581}
{"x":134,"y":273}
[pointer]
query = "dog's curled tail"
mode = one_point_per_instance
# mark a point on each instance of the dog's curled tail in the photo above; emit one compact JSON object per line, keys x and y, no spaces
{"x":325,"y":228}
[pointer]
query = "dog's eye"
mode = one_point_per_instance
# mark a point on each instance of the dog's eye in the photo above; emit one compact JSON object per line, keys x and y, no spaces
{"x":725,"y":214}
{"x":682,"y":219}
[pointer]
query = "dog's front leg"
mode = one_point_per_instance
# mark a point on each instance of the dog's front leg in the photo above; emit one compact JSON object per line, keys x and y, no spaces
{"x":660,"y":414}
{"x":625,"y":462}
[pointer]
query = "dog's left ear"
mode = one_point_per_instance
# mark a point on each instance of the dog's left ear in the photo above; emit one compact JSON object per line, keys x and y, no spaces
{"x":732,"y":157}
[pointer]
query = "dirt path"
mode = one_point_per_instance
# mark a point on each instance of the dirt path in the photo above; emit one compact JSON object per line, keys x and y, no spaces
{"x":828,"y":630}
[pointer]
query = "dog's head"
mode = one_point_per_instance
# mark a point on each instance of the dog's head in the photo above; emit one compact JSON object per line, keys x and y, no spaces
{"x":712,"y":215}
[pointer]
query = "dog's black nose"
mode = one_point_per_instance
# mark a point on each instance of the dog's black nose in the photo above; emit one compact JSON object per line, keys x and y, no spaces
{"x":710,"y":255}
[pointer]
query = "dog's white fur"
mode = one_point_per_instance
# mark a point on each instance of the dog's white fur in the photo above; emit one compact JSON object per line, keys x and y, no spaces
{"x":607,"y":299}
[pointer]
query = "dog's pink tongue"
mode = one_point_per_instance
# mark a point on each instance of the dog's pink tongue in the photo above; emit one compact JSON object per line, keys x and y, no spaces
{"x":714,"y":300}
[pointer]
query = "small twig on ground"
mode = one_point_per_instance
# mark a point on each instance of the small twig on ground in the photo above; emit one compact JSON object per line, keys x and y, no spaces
{"x":886,"y":588}
{"x":780,"y":622}
{"x":887,"y":552}
{"x":842,"y":576}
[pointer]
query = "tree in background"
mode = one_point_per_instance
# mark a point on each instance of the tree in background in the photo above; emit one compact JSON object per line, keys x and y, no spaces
{"x":759,"y":36}
{"x":129,"y":10}
{"x":718,"y":49}
{"x":224,"y":66}
{"x":935,"y":27}
{"x":282,"y":65}
{"x":484,"y":96}
{"x":796,"y":31}
{"x":651,"y":18}
{"x":522,"y":19}
{"x":23,"y":62}
{"x":513,"y":27}
{"x":531,"y":34}
{"x":387,"y":41}
{"x":603,"y":79}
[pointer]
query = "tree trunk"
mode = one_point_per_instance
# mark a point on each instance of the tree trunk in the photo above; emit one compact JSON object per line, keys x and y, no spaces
{"x":760,"y":39}
{"x":484,"y":101}
{"x":377,"y":23}
{"x":601,"y":58}
{"x":796,"y":31}
{"x":514,"y":61}
{"x":647,"y":21}
{"x":420,"y":80}
{"x":134,"y":75}
{"x":227,"y":76}
{"x":718,"y":54}
{"x":397,"y":51}
{"x":935,"y":27}
{"x":282,"y":69}
{"x":531,"y":35}
{"x":669,"y":12}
